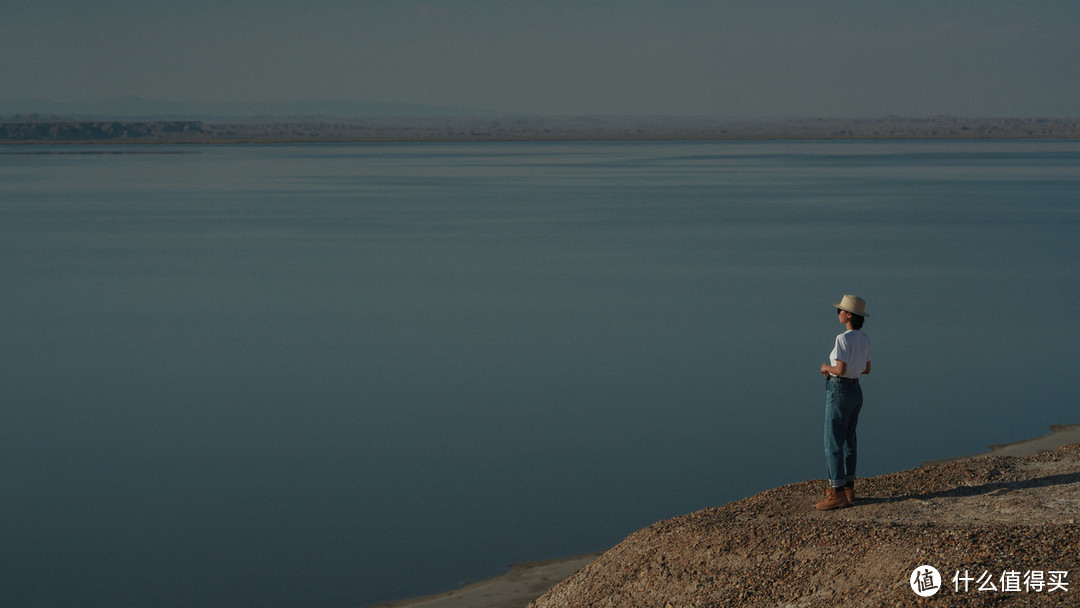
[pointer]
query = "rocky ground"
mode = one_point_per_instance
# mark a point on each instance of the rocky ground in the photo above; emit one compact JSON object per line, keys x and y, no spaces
{"x":996,"y":515}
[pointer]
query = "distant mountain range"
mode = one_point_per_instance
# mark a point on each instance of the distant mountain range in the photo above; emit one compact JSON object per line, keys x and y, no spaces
{"x":137,"y":108}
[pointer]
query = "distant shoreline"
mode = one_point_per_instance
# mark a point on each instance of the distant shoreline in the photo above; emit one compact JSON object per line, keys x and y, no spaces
{"x":37,"y":130}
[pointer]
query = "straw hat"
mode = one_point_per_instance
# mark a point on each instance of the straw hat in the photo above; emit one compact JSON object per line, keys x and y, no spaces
{"x":853,"y":304}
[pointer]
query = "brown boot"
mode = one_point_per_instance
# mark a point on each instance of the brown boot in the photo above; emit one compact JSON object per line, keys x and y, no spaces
{"x":849,"y":493}
{"x":834,"y":499}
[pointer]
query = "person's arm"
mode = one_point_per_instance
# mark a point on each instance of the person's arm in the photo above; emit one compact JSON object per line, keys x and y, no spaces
{"x":838,"y":369}
{"x":867,"y":370}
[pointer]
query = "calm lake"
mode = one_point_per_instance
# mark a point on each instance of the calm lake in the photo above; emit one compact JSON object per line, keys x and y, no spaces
{"x":333,"y":375}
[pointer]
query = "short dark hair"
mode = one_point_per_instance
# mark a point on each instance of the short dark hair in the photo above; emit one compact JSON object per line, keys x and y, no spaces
{"x":857,"y":321}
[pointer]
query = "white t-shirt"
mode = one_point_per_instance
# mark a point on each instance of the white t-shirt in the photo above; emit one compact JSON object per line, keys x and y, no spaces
{"x":853,"y":348}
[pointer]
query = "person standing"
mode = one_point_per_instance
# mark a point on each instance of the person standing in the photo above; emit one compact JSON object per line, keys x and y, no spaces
{"x":849,"y":359}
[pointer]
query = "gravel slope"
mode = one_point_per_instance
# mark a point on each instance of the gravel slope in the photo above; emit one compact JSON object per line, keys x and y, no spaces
{"x":997,"y":515}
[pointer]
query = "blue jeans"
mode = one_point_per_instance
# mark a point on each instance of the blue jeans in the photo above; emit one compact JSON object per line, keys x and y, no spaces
{"x":843,"y":400}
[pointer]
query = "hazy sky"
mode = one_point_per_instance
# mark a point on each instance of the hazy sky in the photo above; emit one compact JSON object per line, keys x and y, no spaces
{"x":752,"y":58}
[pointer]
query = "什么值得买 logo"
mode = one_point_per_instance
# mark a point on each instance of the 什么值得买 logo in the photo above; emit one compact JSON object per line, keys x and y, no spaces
{"x":926,"y":581}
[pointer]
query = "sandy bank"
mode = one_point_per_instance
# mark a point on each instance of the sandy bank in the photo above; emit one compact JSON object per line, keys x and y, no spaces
{"x":521,"y":585}
{"x":1062,"y":434}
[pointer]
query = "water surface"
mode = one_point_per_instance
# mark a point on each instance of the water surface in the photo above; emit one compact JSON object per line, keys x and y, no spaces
{"x":332,"y":375}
